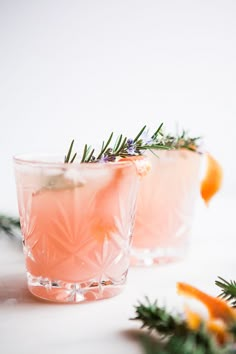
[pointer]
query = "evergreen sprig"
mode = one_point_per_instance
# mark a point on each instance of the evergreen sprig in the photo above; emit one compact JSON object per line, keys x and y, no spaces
{"x":68,"y":158}
{"x":9,"y":225}
{"x":124,"y":147}
{"x":228,"y":290}
{"x":177,"y":337}
{"x":159,"y":319}
{"x":180,"y":345}
{"x":183,"y":141}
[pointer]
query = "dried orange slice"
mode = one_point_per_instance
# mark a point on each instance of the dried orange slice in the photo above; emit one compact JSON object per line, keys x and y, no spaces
{"x":213,"y":179}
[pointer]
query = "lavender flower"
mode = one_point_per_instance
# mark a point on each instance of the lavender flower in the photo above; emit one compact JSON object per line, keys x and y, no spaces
{"x":131,"y":148}
{"x":146,"y":138}
{"x":108,"y":156}
{"x":142,"y":142}
{"x":103,"y":159}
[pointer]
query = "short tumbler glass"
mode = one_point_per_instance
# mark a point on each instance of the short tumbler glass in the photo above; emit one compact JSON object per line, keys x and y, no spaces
{"x":76,"y":221}
{"x":165,"y":207}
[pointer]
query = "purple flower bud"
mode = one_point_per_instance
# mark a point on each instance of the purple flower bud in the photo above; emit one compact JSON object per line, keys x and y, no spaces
{"x":130,"y":142}
{"x":146,"y":139}
{"x":104,"y":159}
{"x":107,"y":158}
{"x":131,"y":150}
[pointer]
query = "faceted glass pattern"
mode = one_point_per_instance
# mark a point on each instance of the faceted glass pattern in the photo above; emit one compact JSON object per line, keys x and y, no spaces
{"x":76,"y":221}
{"x":165,"y":207}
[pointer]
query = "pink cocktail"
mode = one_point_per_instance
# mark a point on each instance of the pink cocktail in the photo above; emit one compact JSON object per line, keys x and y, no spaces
{"x":76,"y":221}
{"x":165,"y":207}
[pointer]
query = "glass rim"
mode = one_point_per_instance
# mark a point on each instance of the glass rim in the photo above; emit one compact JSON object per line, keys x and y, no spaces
{"x":37,"y":160}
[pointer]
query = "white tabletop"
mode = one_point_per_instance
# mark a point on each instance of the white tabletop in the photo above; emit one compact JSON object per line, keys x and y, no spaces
{"x":29,"y":326}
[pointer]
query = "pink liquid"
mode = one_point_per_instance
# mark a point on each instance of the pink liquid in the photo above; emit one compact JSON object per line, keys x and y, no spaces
{"x":165,"y":207}
{"x":77,"y":234}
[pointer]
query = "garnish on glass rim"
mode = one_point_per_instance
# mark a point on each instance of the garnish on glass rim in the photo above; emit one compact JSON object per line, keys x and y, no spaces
{"x":212,"y":180}
{"x":123,"y":147}
{"x":126,"y":147}
{"x":183,"y":141}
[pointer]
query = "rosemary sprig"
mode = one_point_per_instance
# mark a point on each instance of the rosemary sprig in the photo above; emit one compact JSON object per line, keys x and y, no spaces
{"x":87,"y":154}
{"x":9,"y":225}
{"x":125,"y":147}
{"x":139,"y":134}
{"x":117,"y":143}
{"x":105,"y":146}
{"x":176,"y":336}
{"x":183,"y":141}
{"x":158,"y":131}
{"x":228,"y":290}
{"x":68,"y":155}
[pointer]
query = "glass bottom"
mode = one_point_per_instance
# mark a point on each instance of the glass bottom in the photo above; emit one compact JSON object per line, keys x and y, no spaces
{"x":65,"y":292}
{"x":147,"y":257}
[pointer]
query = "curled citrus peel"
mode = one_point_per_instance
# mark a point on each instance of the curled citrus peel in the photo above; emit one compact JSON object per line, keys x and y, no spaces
{"x":193,"y":319}
{"x":217,"y":327}
{"x":220,"y":313}
{"x":212,"y":181}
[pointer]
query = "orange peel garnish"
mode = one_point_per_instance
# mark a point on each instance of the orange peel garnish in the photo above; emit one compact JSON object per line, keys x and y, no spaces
{"x":220,"y":313}
{"x":217,"y":308}
{"x":194,"y":320}
{"x":216,"y":327}
{"x":212,"y":181}
{"x":219,"y":329}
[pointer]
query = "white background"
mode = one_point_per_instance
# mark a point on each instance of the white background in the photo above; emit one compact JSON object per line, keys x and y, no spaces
{"x":79,"y":69}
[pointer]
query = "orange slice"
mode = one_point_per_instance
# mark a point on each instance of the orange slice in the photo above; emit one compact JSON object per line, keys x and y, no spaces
{"x":213,"y":179}
{"x":104,"y":223}
{"x":217,"y":308}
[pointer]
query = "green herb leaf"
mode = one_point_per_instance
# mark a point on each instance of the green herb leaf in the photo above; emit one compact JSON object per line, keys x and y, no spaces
{"x":67,"y":157}
{"x":228,"y":290}
{"x":105,"y":146}
{"x":125,"y":147}
{"x":176,"y":336}
{"x":140,"y":133}
{"x":9,"y":225}
{"x":157,"y":131}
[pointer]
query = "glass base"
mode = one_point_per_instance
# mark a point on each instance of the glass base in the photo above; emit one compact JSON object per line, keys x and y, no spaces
{"x":147,"y":257}
{"x":65,"y":292}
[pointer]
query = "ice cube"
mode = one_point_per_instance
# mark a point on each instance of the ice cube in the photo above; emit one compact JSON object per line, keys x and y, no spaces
{"x":75,"y":176}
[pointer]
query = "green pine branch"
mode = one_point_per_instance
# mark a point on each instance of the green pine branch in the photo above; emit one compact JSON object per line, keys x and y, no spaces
{"x":179,"y":345}
{"x":9,"y":225}
{"x":228,"y":290}
{"x":154,"y":317}
{"x":176,"y":336}
{"x":124,"y":147}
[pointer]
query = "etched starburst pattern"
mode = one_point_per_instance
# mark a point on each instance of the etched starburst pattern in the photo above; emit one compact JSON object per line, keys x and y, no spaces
{"x":77,"y":240}
{"x":166,"y":202}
